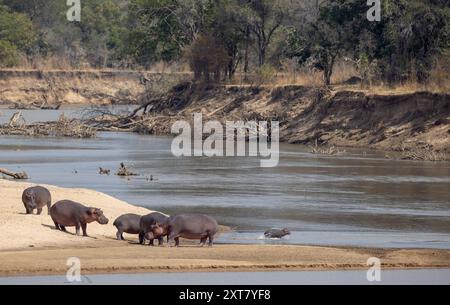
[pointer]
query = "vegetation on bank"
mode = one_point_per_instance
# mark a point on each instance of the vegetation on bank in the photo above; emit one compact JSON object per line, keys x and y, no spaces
{"x":220,"y":39}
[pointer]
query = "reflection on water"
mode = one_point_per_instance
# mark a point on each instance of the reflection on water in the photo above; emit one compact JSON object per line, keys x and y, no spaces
{"x":352,"y":193}
{"x":33,"y":116}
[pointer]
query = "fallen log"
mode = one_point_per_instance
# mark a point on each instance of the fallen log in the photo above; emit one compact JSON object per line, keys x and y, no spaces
{"x":18,"y":176}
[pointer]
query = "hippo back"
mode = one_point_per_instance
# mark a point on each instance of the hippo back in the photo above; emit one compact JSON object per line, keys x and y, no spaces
{"x":193,"y":223}
{"x":148,"y":220}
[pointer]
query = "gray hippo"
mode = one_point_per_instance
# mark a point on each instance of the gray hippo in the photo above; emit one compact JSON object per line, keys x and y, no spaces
{"x":276,"y":233}
{"x":192,"y":226}
{"x":153,"y":226}
{"x":128,"y":223}
{"x":36,"y":198}
{"x":68,"y":213}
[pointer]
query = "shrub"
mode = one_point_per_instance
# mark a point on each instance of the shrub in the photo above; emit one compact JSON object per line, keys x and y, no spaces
{"x":9,"y":55}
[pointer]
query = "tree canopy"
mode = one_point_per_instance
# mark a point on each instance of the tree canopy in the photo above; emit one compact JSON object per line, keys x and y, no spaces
{"x":244,"y":35}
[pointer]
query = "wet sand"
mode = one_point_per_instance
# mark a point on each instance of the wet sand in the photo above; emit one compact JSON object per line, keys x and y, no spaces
{"x":30,"y":246}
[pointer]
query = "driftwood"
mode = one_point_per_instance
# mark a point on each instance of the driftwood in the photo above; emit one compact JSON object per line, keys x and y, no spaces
{"x":18,"y":176}
{"x":124,"y":172}
{"x":104,"y":171}
{"x":35,"y":105}
{"x":64,"y":127}
{"x":16,"y":117}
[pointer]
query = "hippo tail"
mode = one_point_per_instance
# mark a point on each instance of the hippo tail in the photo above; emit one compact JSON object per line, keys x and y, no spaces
{"x":116,"y":223}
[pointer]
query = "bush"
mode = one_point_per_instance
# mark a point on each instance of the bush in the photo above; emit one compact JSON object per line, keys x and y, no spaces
{"x":207,"y":58}
{"x":9,"y":55}
{"x":265,"y":74}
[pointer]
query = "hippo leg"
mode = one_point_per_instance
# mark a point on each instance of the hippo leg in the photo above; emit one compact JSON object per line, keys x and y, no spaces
{"x":203,"y":241}
{"x":211,"y":238}
{"x":119,"y":235}
{"x":29,"y":211}
{"x":39,"y":211}
{"x":177,"y":241}
{"x":141,"y":238}
{"x":63,"y":228}
{"x":49,"y":205}
{"x":57,"y":225}
{"x":84,"y":227}
{"x":151,"y":243}
{"x":160,"y":241}
{"x":77,"y":228}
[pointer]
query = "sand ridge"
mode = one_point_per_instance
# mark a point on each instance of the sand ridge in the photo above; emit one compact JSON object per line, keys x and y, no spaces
{"x":25,"y":231}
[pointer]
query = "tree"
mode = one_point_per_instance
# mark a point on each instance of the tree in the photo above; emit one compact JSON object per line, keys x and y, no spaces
{"x":264,"y":18}
{"x":339,"y":29}
{"x":207,"y":58}
{"x":16,"y":35}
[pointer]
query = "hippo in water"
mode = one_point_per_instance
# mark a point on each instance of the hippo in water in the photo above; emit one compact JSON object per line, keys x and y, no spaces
{"x":68,"y":213}
{"x":36,"y":198}
{"x":276,"y":233}
{"x":153,"y":226}
{"x":192,"y":226}
{"x":128,"y":223}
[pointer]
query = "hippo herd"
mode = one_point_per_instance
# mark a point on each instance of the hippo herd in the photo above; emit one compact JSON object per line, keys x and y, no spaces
{"x":66,"y":213}
{"x":157,"y":226}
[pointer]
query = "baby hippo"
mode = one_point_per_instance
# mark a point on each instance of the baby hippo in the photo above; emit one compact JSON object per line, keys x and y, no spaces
{"x":68,"y":213}
{"x":36,"y":198}
{"x":153,"y":226}
{"x":192,"y":226}
{"x":275,"y":233}
{"x":128,"y":223}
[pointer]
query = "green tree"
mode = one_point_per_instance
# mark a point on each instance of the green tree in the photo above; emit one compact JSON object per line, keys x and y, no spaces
{"x":16,"y":35}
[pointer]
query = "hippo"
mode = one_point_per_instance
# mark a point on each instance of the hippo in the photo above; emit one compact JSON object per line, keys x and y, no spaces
{"x":276,"y":233}
{"x":153,"y":226}
{"x":68,"y":213}
{"x":128,"y":223}
{"x":36,"y":198}
{"x":192,"y":226}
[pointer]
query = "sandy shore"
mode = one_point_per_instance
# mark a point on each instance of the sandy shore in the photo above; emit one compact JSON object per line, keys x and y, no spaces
{"x":24,"y":231}
{"x":30,"y":246}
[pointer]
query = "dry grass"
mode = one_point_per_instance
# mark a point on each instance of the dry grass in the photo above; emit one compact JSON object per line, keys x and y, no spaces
{"x":424,"y":155}
{"x":325,"y":150}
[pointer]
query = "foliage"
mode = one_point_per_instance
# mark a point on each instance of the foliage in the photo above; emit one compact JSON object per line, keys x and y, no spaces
{"x":252,"y":35}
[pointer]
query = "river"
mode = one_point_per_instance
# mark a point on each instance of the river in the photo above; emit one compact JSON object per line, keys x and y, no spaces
{"x":359,"y":198}
{"x":358,"y":277}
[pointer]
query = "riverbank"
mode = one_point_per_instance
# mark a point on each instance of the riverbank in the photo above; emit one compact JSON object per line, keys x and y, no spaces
{"x":30,"y":246}
{"x":414,"y":124}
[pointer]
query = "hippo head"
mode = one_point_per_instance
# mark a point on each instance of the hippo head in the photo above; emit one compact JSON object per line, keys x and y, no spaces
{"x":30,"y":198}
{"x":149,"y":235}
{"x":95,"y":214}
{"x":157,"y":229}
{"x":286,"y":231}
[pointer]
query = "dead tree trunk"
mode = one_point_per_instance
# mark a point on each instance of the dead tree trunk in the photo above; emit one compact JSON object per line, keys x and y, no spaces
{"x":18,"y":176}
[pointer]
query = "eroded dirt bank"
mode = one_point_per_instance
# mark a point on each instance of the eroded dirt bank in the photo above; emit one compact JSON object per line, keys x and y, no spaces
{"x":414,"y":122}
{"x":24,"y":88}
{"x":308,"y":115}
